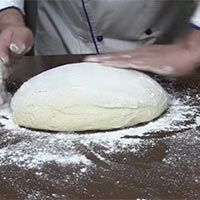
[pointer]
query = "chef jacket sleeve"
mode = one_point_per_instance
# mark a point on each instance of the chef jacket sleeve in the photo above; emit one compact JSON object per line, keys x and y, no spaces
{"x":17,"y":4}
{"x":195,"y":20}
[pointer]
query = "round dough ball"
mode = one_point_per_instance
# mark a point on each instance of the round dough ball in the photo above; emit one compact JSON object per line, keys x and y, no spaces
{"x":87,"y":96}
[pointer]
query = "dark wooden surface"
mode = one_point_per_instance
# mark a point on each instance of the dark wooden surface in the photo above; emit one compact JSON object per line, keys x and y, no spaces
{"x":125,"y":174}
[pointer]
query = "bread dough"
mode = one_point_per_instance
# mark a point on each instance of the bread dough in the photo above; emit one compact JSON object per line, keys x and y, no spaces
{"x":87,"y":96}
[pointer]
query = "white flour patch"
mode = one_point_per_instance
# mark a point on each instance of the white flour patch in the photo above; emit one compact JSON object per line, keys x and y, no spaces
{"x":198,"y":121}
{"x":32,"y":149}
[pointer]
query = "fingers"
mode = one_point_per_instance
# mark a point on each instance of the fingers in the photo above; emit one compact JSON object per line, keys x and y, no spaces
{"x":162,"y":70}
{"x":21,"y":41}
{"x":125,"y":60}
{"x":137,"y":53}
{"x":148,"y":58}
{"x":17,"y":49}
{"x":15,"y":41}
{"x":139,"y":65}
{"x":106,"y":57}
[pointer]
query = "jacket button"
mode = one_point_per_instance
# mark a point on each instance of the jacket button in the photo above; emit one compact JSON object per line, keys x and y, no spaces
{"x":148,"y":31}
{"x":99,"y":38}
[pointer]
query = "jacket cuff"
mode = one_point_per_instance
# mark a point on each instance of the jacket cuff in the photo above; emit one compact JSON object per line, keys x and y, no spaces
{"x":195,"y":20}
{"x":16,"y":4}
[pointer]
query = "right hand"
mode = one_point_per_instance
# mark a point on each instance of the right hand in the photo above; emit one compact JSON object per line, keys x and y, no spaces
{"x":15,"y":38}
{"x":15,"y":41}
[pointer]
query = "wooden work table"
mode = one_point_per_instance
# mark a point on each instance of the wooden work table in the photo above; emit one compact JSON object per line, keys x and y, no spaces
{"x":162,"y":164}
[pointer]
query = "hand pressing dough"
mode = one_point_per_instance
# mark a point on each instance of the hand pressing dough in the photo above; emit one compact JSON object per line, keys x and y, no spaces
{"x":87,"y":96}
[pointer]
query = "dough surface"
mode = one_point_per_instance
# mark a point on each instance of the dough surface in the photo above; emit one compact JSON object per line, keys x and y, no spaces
{"x":87,"y":96}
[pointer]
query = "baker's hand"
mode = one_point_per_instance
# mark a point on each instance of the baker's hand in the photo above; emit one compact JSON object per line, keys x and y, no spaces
{"x":175,"y":60}
{"x":15,"y":41}
{"x":15,"y":38}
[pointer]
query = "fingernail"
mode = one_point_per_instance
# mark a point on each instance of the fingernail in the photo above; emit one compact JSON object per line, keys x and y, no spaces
{"x":14,"y":48}
{"x":4,"y":60}
{"x":91,"y":59}
{"x":22,"y":49}
{"x":168,"y":70}
{"x":104,"y":57}
{"x":126,"y":56}
{"x":97,"y":58}
{"x":27,"y":50}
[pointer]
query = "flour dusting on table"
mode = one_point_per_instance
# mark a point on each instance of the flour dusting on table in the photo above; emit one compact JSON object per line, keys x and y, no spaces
{"x":36,"y":148}
{"x":156,"y":159}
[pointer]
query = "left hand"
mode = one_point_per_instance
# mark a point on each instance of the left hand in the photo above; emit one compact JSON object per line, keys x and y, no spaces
{"x":174,"y":60}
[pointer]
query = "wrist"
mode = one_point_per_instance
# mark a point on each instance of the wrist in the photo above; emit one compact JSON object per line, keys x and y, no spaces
{"x":11,"y":17}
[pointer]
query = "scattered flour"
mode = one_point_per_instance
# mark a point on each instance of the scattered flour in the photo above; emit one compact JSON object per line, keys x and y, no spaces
{"x":198,"y":120}
{"x":31,"y":149}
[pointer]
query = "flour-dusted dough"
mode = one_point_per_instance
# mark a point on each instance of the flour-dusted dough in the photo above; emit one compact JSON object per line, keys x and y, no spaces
{"x":87,"y":96}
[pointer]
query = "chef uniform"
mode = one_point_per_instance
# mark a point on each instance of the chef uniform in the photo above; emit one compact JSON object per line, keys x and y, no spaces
{"x":101,"y":26}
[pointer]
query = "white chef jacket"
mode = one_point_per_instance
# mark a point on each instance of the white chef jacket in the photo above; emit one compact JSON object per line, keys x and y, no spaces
{"x":18,"y":4}
{"x":195,"y":19}
{"x":100,"y":26}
